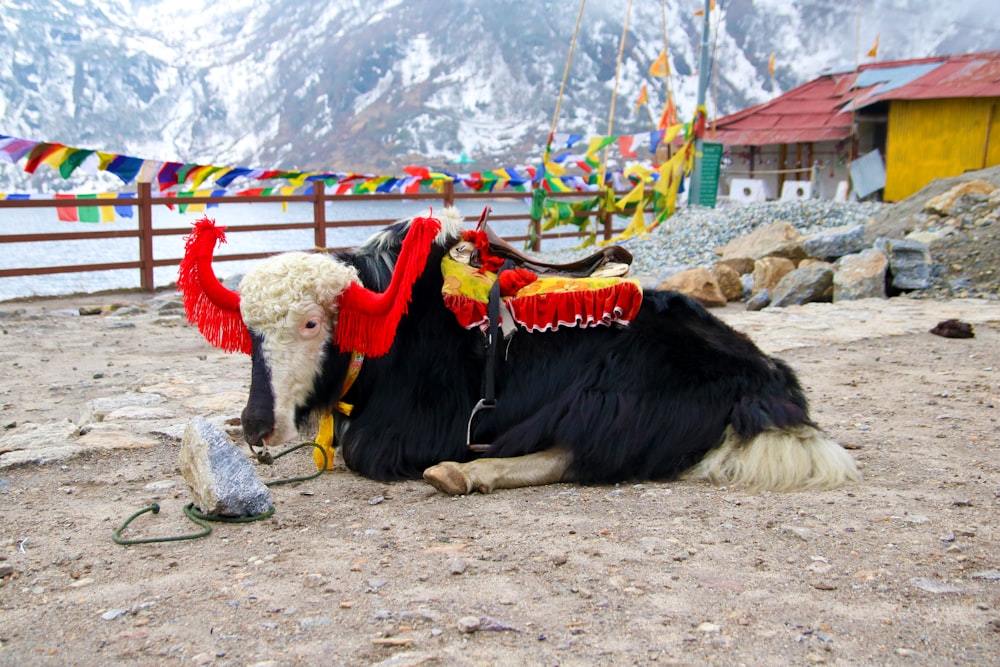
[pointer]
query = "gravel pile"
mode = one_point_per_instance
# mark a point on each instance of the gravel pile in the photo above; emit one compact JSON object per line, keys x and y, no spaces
{"x":688,"y":238}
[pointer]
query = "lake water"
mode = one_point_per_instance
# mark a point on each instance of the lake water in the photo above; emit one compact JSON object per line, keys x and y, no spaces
{"x":58,"y":253}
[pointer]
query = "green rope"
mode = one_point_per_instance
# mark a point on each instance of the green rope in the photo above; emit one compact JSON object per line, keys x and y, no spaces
{"x":201,"y":519}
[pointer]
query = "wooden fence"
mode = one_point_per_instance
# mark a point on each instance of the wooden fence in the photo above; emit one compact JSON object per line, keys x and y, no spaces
{"x":145,"y":234}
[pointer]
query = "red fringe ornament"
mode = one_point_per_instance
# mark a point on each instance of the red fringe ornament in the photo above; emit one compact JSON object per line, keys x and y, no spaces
{"x":368,"y":320}
{"x":209,"y":305}
{"x":489,"y":262}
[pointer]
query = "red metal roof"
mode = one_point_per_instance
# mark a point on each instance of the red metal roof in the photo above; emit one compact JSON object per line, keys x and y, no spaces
{"x":820,"y":110}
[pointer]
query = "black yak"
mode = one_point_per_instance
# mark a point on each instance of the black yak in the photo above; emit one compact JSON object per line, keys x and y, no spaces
{"x":673,"y":393}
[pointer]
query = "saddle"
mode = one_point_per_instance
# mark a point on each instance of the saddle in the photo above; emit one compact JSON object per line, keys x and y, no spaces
{"x":490,"y":285}
{"x":612,"y":260}
{"x":533,"y":294}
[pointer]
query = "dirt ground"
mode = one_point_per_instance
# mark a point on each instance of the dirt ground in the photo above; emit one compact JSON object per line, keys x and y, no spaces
{"x":902,"y":568}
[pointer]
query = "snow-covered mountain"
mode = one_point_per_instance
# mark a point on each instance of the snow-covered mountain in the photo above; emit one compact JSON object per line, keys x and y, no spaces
{"x":373,"y":85}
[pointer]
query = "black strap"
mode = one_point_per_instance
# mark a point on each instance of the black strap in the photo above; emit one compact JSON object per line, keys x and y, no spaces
{"x":493,"y":340}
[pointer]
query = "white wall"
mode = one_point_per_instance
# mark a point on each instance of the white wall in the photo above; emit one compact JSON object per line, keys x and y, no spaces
{"x":830,"y":157}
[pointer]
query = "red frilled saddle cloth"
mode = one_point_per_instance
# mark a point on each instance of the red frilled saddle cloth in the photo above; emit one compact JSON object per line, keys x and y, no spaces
{"x":535,"y":303}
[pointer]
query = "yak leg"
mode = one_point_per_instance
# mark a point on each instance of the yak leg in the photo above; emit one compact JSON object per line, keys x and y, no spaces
{"x":485,"y":475}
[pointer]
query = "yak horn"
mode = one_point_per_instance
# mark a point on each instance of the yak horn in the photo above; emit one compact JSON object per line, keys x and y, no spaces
{"x":209,"y":305}
{"x":367,"y":320}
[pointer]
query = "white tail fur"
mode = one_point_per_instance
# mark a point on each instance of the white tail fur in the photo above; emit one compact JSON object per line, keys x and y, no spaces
{"x":788,"y":460}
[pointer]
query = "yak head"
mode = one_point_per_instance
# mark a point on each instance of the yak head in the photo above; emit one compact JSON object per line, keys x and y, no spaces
{"x":295,"y":309}
{"x":290,"y":306}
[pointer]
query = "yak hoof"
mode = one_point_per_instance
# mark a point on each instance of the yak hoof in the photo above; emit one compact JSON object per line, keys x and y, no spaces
{"x":448,"y":478}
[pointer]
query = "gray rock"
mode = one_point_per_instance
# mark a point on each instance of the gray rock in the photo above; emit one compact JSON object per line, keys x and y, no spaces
{"x":222,"y":480}
{"x":468,"y":624}
{"x":909,"y":262}
{"x":934,"y":586}
{"x":806,"y":285}
{"x":97,"y":409}
{"x":860,"y":276}
{"x":760,"y":300}
{"x":139,"y":413}
{"x":835,"y":243}
{"x":33,"y":436}
{"x":40,"y":456}
{"x":39,"y":444}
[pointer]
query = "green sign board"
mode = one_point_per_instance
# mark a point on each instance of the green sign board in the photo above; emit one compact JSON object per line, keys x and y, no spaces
{"x":711,"y":160}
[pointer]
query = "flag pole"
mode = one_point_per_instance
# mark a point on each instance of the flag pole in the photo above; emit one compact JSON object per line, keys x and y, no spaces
{"x":694,"y":189}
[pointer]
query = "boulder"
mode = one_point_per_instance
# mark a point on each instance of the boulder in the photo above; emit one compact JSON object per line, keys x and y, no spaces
{"x":729,"y":281}
{"x":909,"y":262}
{"x":929,"y":236}
{"x":860,"y":276}
{"x":945,"y":202}
{"x":760,"y":300}
{"x":769,"y":271}
{"x":835,"y":242}
{"x":697,"y":283}
{"x":222,"y":480}
{"x":741,"y":265}
{"x":778,"y":239}
{"x":804,"y":285}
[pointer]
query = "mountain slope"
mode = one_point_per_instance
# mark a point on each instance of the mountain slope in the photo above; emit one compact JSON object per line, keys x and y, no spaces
{"x":372,"y":86}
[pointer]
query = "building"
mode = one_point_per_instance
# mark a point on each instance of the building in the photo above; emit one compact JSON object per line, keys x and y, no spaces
{"x":927,"y":118}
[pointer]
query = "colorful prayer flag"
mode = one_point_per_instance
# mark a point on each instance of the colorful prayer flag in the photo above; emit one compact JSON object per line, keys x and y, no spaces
{"x":669,"y":116}
{"x":873,"y":52}
{"x":661,"y":67}
{"x":66,"y":213}
{"x":643,"y":98}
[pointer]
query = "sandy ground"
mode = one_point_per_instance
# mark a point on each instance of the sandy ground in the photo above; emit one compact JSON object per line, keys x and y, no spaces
{"x":900,"y":569}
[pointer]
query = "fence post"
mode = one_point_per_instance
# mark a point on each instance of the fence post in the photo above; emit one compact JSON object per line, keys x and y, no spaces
{"x":144,"y":208}
{"x":449,"y":193}
{"x":319,"y":214}
{"x":604,"y":215}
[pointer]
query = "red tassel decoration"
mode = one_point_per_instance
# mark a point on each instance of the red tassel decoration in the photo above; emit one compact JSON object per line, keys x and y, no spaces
{"x":209,"y":305}
{"x":368,"y":320}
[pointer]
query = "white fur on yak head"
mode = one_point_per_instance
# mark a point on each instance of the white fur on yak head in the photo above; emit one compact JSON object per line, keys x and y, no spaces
{"x":290,"y":303}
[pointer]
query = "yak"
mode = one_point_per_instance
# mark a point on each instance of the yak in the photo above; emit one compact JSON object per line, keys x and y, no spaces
{"x":365,"y":334}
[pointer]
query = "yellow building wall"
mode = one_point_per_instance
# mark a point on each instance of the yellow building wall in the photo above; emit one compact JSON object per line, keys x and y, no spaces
{"x":930,"y":139}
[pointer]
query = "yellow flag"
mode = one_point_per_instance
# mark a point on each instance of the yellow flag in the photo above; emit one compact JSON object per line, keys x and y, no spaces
{"x":633,"y":197}
{"x":107,"y":212}
{"x":711,"y":8}
{"x":643,"y":98}
{"x":873,"y":52}
{"x":770,"y":65}
{"x":661,"y":67}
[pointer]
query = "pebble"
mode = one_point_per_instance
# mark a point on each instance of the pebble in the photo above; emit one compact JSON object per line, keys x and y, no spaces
{"x":313,"y":621}
{"x":468,"y":624}
{"x":313,"y":580}
{"x":803,"y":534}
{"x":113,"y":614}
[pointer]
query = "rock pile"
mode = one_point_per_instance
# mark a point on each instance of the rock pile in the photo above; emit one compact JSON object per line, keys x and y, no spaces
{"x":776,"y":266}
